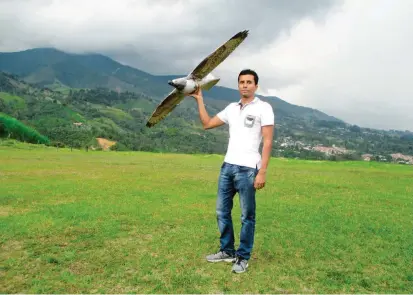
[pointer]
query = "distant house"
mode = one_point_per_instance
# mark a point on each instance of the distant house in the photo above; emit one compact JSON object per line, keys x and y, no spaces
{"x":78,"y":123}
{"x":402,"y":158}
{"x":330,"y":150}
{"x":367,"y":157}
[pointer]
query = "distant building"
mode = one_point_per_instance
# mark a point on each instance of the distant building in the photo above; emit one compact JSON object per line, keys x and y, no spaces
{"x":367,"y":157}
{"x":330,"y":150}
{"x":406,"y":159}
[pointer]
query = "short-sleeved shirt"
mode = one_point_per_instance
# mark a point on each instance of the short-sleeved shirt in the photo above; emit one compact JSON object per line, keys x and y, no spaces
{"x":245,"y":133}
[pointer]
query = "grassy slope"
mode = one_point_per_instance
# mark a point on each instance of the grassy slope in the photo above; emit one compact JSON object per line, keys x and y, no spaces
{"x":16,"y":101}
{"x":138,"y":222}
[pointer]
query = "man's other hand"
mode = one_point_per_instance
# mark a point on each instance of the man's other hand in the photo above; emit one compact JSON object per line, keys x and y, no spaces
{"x":259,"y":182}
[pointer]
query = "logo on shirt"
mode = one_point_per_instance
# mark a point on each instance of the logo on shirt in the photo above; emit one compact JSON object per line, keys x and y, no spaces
{"x":249,"y":121}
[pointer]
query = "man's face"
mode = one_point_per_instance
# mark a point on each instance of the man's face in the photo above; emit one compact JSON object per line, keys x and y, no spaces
{"x":247,"y":86}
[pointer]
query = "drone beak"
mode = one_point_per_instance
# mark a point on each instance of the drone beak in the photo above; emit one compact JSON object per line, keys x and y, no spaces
{"x":179,"y":87}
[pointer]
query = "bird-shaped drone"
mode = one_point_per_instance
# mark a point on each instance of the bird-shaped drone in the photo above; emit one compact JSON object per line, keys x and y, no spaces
{"x":200,"y":77}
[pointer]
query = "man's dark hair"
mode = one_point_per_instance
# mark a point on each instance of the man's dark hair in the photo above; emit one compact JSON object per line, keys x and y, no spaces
{"x":249,"y":72}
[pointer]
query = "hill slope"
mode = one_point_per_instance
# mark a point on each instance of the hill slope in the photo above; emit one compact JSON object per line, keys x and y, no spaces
{"x":77,"y":117}
{"x":52,"y":68}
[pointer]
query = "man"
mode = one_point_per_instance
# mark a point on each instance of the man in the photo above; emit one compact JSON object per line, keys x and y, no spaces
{"x":243,"y":171}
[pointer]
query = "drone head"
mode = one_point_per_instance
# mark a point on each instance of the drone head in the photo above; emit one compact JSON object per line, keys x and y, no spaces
{"x":178,"y":83}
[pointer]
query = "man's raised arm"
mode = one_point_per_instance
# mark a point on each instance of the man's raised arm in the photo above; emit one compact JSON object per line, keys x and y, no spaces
{"x":207,"y":121}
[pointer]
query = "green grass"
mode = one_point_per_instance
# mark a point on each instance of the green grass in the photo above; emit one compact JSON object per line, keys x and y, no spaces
{"x":111,"y":222}
{"x":106,"y":123}
{"x":74,"y":115}
{"x":138,"y":104}
{"x":115,"y":113}
{"x":16,"y":101}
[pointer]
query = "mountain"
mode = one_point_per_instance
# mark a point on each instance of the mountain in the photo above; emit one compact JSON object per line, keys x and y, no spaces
{"x":51,"y":67}
{"x":77,"y":117}
{"x":48,"y":67}
{"x":75,"y":98}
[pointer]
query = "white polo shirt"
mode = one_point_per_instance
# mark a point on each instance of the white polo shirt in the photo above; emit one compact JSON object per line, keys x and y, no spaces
{"x":245,"y":131}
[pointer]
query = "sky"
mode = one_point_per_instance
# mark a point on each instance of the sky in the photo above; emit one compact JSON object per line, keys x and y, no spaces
{"x":349,"y":59}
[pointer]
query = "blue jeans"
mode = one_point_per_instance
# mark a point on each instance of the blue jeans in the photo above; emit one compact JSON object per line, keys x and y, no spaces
{"x":233,"y":179}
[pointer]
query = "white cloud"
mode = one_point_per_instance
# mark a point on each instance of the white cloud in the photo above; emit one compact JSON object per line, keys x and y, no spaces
{"x":355,"y":66}
{"x":352,"y":61}
{"x":156,"y":33}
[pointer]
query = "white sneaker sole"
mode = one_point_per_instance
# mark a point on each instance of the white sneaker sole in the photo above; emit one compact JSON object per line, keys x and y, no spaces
{"x":222,"y":260}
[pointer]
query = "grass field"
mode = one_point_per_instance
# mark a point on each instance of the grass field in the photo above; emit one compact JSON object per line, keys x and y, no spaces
{"x":111,"y":222}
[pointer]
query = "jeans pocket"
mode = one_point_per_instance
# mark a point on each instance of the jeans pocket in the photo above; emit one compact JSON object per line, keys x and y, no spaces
{"x":250,"y":172}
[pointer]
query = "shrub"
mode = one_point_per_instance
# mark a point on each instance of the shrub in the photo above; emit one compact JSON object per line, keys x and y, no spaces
{"x":13,"y":128}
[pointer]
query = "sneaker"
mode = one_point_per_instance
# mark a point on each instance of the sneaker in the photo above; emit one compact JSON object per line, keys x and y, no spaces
{"x":220,"y":256}
{"x":240,"y":265}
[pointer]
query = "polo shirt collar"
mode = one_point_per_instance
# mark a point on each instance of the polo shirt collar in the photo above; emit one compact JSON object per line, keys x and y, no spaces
{"x":254,"y":100}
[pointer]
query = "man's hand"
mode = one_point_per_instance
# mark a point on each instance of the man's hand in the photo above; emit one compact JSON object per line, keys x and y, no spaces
{"x":207,"y":122}
{"x":197,"y":94}
{"x":259,"y":182}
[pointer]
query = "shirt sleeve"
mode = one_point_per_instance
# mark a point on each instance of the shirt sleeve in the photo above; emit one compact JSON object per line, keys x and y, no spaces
{"x":267,"y":115}
{"x":223,"y":115}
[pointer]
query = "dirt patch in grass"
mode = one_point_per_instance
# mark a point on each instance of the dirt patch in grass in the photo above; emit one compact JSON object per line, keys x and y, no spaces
{"x":9,"y":210}
{"x":105,"y":144}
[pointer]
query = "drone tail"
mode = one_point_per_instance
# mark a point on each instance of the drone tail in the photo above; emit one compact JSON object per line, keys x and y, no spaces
{"x":210,"y":84}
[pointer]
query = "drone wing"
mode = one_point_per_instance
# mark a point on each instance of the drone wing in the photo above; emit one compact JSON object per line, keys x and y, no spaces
{"x":165,"y":107}
{"x":219,"y":55}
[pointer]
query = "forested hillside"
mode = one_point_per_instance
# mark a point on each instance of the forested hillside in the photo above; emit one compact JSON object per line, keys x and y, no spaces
{"x":76,"y":117}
